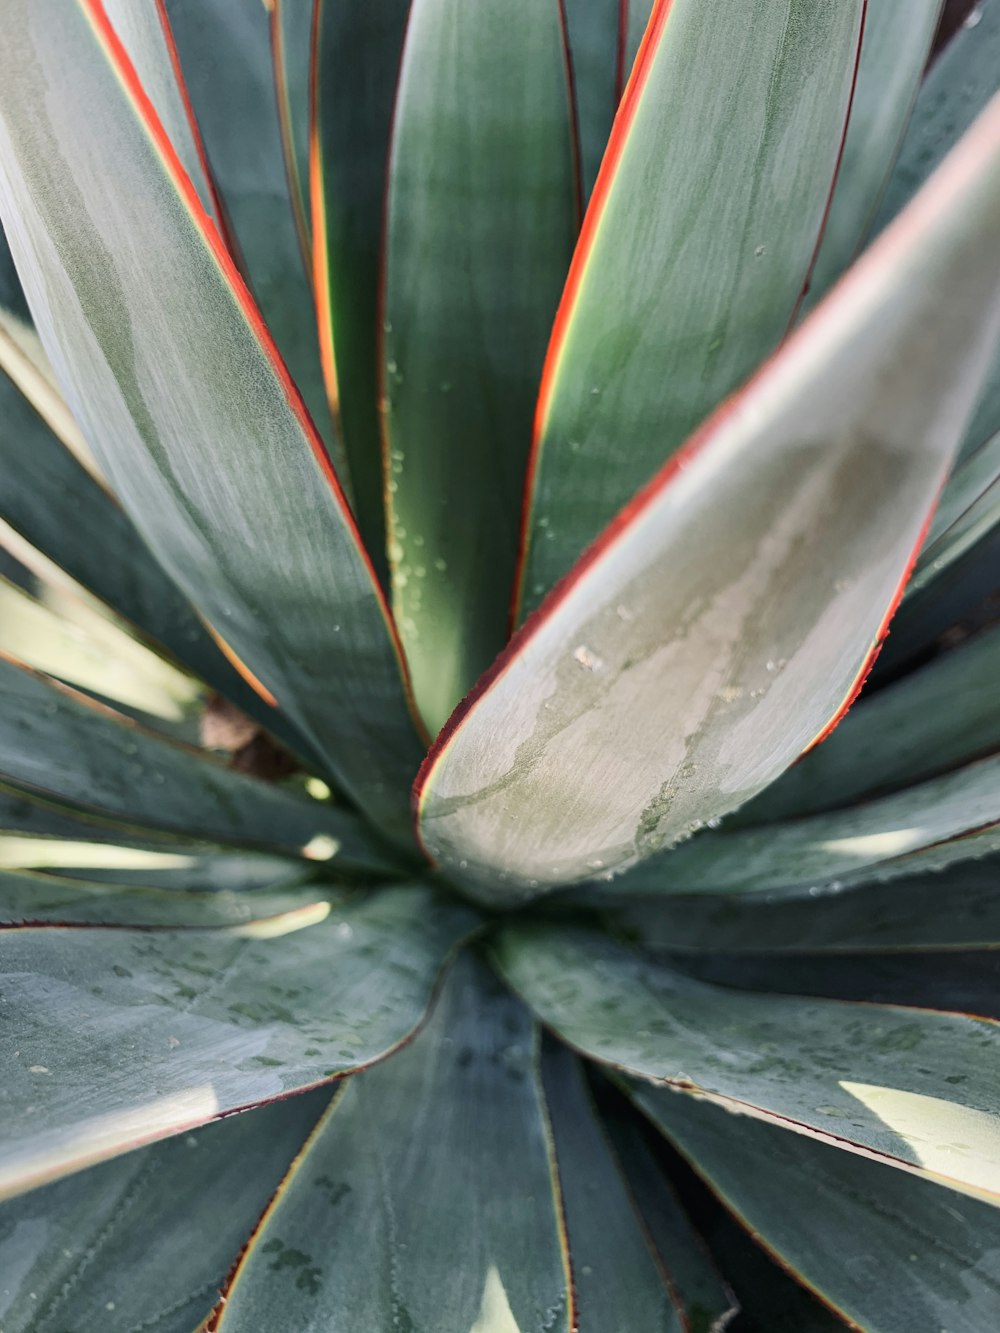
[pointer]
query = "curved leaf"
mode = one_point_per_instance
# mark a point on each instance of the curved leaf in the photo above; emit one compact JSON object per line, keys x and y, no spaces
{"x":619,"y":1284}
{"x":480,"y":230}
{"x":894,"y":50}
{"x":184,"y":400}
{"x":430,"y":1184}
{"x":355,"y":71}
{"x":908,"y":1254}
{"x":955,"y":909}
{"x":144,"y":31}
{"x":959,"y":84}
{"x":291,"y":40}
{"x":911,"y":1087}
{"x":225,"y":52}
{"x":939,"y":716}
{"x":693,"y":254}
{"x":51,"y":501}
{"x":944,"y":820}
{"x":33,"y":897}
{"x":700,"y":645}
{"x":116,"y":1038}
{"x":113,"y":1248}
{"x":55,"y":743}
{"x":969,"y":512}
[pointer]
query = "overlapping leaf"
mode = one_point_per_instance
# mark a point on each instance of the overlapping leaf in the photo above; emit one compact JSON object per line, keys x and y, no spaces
{"x":694,"y":251}
{"x":81,"y":1251}
{"x":907,"y":1254}
{"x":480,"y":229}
{"x":700,"y":646}
{"x":116,"y":1038}
{"x":431,"y":1186}
{"x":184,"y":400}
{"x":910,"y":1087}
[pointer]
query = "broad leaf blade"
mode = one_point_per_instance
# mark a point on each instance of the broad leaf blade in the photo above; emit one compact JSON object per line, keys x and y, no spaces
{"x":480,"y":230}
{"x":113,"y":1248}
{"x":839,"y":1071}
{"x":700,"y":645}
{"x":57,"y":744}
{"x":193,"y":419}
{"x":117,"y":1038}
{"x":907,"y":1255}
{"x":355,"y":72}
{"x":436,"y":1171}
{"x":693,"y":255}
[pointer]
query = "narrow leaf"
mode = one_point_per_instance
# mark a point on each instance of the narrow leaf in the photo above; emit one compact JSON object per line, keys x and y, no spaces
{"x":943,"y":820}
{"x":619,"y":1284}
{"x":117,"y":1038}
{"x":61,"y":746}
{"x":932,"y":720}
{"x":908,"y":1254}
{"x":958,"y":908}
{"x":479,"y":236}
{"x":225,"y":52}
{"x":193,"y":419}
{"x":726,"y":619}
{"x":894,"y":50}
{"x":291,"y":34}
{"x":693,"y":255}
{"x":910,"y":1087}
{"x":470,"y":1248}
{"x":145,"y":33}
{"x":113,"y":1249}
{"x":968,"y":513}
{"x":355,"y":71}
{"x":593,"y":37}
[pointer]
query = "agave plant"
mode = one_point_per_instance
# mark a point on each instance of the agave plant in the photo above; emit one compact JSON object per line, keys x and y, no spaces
{"x":457,"y":475}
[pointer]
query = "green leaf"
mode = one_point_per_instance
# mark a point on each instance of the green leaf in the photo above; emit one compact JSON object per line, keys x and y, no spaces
{"x":426,"y":1199}
{"x":145,"y":33}
{"x":907,"y":1254}
{"x":116,"y":1038}
{"x":969,"y":511}
{"x":479,"y":236}
{"x":939,"y":716}
{"x":637,"y":16}
{"x":707,"y":1301}
{"x":193,"y":419}
{"x":291,"y":37}
{"x":959,"y":84}
{"x":941,"y":821}
{"x":700,"y":646}
{"x":225,"y":52}
{"x":54,"y":504}
{"x":693,"y":254}
{"x":32,"y":897}
{"x":619,"y":1284}
{"x":146,"y":1241}
{"x":592,"y":36}
{"x":894,"y":50}
{"x":910,"y":1087}
{"x":211,"y":873}
{"x":947,"y":910}
{"x":357,"y":55}
{"x":59,"y":745}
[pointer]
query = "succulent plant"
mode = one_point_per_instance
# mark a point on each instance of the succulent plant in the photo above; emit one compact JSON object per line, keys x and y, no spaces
{"x":460,"y":463}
